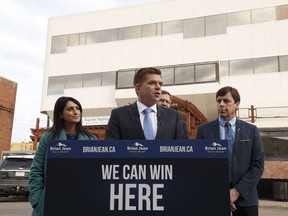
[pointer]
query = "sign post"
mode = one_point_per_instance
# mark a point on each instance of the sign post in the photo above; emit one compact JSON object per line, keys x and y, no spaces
{"x":137,"y":177}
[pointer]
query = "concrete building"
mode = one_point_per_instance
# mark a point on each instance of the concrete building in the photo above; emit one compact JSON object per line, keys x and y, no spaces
{"x":8,"y":90}
{"x":200,"y":46}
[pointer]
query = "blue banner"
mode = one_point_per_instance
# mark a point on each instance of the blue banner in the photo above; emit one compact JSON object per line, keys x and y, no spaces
{"x":137,"y":178}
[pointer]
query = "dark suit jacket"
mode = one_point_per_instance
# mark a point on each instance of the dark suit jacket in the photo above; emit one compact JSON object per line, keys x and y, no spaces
{"x":186,"y":133}
{"x":124,"y":123}
{"x":248,"y":160}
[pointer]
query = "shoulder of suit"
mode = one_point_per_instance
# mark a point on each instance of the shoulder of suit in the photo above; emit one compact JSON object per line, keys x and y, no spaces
{"x":210,"y":124}
{"x":240,"y":122}
{"x":129,"y":106}
{"x":167,"y":110}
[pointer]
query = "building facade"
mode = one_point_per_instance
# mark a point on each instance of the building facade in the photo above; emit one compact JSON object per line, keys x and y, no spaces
{"x":200,"y":46}
{"x":8,"y":90}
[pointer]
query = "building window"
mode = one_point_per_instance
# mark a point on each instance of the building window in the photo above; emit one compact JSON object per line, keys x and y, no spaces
{"x":82,"y":38}
{"x":125,"y":79}
{"x":224,"y":68}
{"x":110,"y":35}
{"x":101,"y":36}
{"x":263,"y":15}
{"x":241,"y":67}
{"x":172,"y":27}
{"x":167,"y":75}
{"x":56,"y":85}
{"x":95,"y":37}
{"x":184,"y":74}
{"x":93,"y":79}
{"x":283,"y":61}
{"x":216,"y":25}
{"x":59,"y":44}
{"x":275,"y":143}
{"x":172,"y":75}
{"x":108,"y":78}
{"x":193,"y":28}
{"x":239,"y":18}
{"x":149,"y":30}
{"x":74,"y":81}
{"x":266,"y":65}
{"x":205,"y":73}
{"x":130,"y":32}
{"x":282,"y":146}
{"x":73,"y":39}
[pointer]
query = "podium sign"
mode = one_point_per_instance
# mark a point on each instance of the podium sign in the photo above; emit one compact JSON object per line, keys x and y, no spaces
{"x":137,"y":178}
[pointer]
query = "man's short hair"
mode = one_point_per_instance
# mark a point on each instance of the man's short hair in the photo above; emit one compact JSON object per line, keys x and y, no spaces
{"x":234,"y":92}
{"x":165,"y":92}
{"x":141,"y":73}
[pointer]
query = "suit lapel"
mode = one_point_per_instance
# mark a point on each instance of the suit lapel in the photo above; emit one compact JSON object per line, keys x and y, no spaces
{"x":161,"y":117}
{"x":135,"y":118}
{"x":215,"y":129}
{"x":238,"y":132}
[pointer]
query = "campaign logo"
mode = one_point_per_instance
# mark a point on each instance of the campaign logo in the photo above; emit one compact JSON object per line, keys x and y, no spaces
{"x":60,"y":148}
{"x":137,"y":148}
{"x":215,"y":148}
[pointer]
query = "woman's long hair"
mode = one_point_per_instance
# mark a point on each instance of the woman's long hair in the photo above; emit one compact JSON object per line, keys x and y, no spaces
{"x":58,"y":123}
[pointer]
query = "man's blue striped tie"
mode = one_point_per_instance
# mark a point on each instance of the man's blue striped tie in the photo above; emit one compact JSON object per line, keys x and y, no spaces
{"x":229,"y":136}
{"x":147,"y":124}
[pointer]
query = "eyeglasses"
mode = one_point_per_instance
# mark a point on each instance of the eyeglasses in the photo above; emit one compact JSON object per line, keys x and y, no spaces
{"x":164,"y":100}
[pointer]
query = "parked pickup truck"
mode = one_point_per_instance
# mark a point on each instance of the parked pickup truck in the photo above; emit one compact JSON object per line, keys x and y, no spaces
{"x":14,"y":172}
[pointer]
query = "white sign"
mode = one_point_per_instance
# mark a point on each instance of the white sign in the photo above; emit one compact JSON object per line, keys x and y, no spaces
{"x":97,"y":120}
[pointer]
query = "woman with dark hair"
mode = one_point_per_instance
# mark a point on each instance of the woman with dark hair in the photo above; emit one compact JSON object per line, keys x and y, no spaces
{"x":67,"y":125}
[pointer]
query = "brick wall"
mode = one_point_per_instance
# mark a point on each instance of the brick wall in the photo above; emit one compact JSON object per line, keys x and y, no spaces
{"x":21,"y":146}
{"x":275,"y":170}
{"x":8,"y":91}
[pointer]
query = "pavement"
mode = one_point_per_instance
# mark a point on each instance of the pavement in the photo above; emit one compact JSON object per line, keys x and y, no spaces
{"x":273,"y":204}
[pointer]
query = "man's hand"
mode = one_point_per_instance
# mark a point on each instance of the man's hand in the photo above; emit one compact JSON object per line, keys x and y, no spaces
{"x":234,"y":194}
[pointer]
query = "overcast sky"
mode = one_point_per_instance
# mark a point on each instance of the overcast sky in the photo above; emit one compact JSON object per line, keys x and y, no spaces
{"x":23,"y":28}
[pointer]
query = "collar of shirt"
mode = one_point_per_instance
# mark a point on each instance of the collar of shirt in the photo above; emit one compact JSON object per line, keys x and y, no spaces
{"x":142,"y":107}
{"x":223,"y":121}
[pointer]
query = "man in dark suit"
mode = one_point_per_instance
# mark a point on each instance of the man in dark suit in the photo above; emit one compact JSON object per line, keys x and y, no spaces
{"x":127,"y":122}
{"x":165,"y":101}
{"x":246,"y":159}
